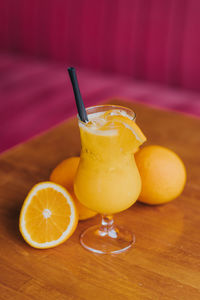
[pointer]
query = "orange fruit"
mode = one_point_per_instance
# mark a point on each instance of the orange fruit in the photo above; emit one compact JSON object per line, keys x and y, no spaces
{"x":48,"y":216}
{"x":64,"y":174}
{"x":162,"y":172}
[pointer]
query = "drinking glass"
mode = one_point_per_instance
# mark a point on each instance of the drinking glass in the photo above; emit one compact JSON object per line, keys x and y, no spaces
{"x":107,"y":179}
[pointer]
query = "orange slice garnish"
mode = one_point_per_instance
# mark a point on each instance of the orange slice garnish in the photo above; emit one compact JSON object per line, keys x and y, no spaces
{"x":127,"y":128}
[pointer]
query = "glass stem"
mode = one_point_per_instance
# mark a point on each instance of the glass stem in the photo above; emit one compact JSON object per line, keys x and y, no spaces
{"x":107,"y":226}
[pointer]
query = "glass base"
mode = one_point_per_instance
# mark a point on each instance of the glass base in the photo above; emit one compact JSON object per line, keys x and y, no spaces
{"x":98,"y":239}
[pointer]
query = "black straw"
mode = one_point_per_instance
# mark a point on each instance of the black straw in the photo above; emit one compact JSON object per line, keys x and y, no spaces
{"x":79,"y":101}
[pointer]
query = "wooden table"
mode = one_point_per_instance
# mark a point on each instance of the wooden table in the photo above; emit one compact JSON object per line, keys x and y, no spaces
{"x":165,"y":262}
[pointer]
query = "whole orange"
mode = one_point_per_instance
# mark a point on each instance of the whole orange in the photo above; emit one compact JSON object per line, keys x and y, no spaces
{"x":162,"y":172}
{"x":64,"y":174}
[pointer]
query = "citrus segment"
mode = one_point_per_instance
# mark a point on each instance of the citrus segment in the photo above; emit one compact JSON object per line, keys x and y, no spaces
{"x":48,"y":216}
{"x":129,"y":124}
{"x":127,"y":129}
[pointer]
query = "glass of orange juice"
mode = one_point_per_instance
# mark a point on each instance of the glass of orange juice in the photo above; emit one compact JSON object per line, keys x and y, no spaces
{"x":107,"y":179}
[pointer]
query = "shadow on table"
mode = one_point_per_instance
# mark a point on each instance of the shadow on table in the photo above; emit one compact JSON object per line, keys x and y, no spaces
{"x":158,"y":228}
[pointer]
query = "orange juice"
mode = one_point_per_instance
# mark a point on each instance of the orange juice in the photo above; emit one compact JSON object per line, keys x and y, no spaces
{"x":107,"y":180}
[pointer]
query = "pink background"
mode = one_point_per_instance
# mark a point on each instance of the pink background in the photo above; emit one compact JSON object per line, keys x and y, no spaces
{"x":148,"y":51}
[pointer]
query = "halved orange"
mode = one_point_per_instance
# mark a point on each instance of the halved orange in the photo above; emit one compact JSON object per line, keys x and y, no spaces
{"x":48,"y":216}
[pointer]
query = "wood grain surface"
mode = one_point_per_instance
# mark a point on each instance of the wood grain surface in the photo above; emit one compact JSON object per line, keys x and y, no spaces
{"x":165,"y":262}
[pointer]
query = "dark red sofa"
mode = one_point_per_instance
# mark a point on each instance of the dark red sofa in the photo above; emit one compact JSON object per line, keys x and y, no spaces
{"x":147,"y":51}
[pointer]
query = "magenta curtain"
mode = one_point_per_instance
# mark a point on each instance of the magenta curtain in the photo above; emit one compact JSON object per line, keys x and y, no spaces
{"x":154,"y":40}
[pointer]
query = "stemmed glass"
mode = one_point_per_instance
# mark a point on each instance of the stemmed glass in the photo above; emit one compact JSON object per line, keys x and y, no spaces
{"x":107,"y":180}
